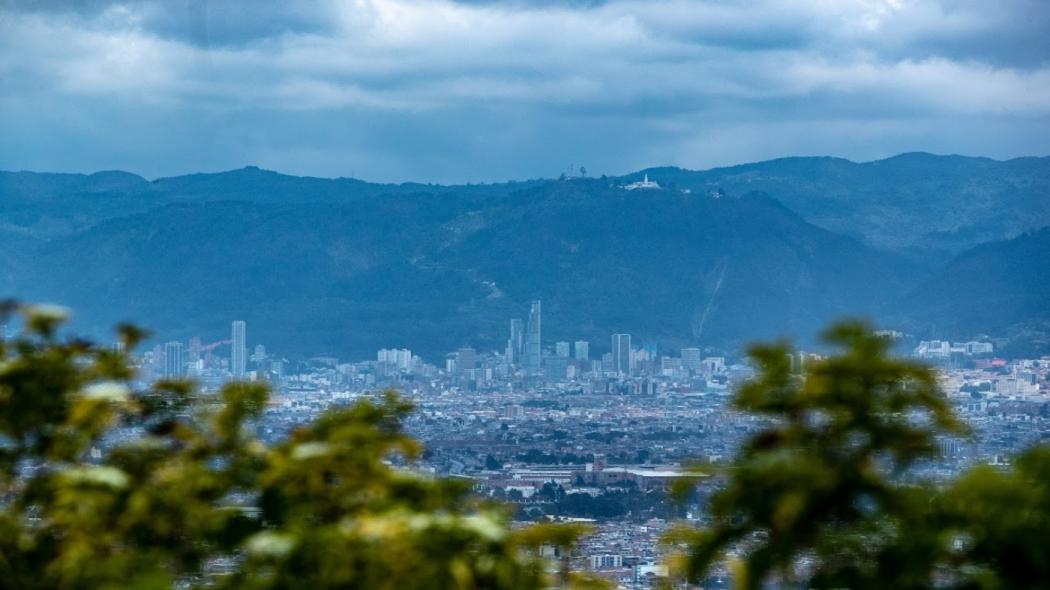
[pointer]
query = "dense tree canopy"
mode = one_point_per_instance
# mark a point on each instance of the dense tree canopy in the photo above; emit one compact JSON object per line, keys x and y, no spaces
{"x":103,"y":486}
{"x":819,"y":498}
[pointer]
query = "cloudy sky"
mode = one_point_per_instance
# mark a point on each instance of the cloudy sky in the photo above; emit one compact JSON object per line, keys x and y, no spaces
{"x":444,"y":91}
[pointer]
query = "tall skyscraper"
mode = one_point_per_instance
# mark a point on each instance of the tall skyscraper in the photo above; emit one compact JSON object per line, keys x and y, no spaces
{"x":561,"y":349}
{"x":174,"y":361}
{"x":238,"y":350}
{"x":516,"y":343}
{"x":691,"y":359}
{"x":582,"y":350}
{"x":533,"y":350}
{"x":621,"y":354}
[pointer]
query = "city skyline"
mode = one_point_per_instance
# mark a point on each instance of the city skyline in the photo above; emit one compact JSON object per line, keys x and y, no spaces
{"x":562,"y":360}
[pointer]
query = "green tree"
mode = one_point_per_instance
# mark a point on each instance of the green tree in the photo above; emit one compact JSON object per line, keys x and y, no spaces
{"x":816,"y":499}
{"x":104,"y":486}
{"x":492,"y":463}
{"x":999,"y":524}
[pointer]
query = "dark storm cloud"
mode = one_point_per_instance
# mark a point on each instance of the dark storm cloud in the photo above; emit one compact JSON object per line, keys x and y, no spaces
{"x":433,"y":90}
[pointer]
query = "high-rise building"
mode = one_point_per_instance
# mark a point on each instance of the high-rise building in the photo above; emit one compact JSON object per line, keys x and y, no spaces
{"x":556,"y":368}
{"x":174,"y":361}
{"x":399,"y":357}
{"x":156,"y":359}
{"x":516,"y":343}
{"x":582,"y":350}
{"x":714,"y":364}
{"x":193,"y":351}
{"x":561,"y":349}
{"x":669,"y":365}
{"x":533,"y":350}
{"x":238,"y":350}
{"x":691,"y":359}
{"x":466,"y":360}
{"x":403,"y":358}
{"x":621,"y":354}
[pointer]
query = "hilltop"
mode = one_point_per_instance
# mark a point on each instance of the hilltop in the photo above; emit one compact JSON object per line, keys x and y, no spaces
{"x":717,"y":258}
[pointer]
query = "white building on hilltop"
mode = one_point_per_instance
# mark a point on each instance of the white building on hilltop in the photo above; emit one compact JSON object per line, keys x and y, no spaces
{"x":644,"y":184}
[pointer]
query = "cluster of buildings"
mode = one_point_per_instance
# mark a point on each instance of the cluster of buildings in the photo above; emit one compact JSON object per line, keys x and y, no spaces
{"x":526,"y":361}
{"x":626,"y":555}
{"x":588,"y":478}
{"x":200,"y":360}
{"x":560,"y":432}
{"x":943,"y":349}
{"x":991,"y":381}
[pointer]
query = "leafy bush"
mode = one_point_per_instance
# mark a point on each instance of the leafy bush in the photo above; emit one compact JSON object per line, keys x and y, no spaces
{"x":815,"y":500}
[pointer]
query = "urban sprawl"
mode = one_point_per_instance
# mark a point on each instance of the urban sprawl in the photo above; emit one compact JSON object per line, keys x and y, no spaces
{"x":561,"y":433}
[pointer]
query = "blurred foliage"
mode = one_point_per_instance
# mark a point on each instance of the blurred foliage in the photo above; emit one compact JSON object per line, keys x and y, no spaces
{"x":186,"y":496}
{"x":815,"y":499}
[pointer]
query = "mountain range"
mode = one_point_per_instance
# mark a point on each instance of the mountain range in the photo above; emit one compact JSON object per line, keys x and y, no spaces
{"x":933,"y":245}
